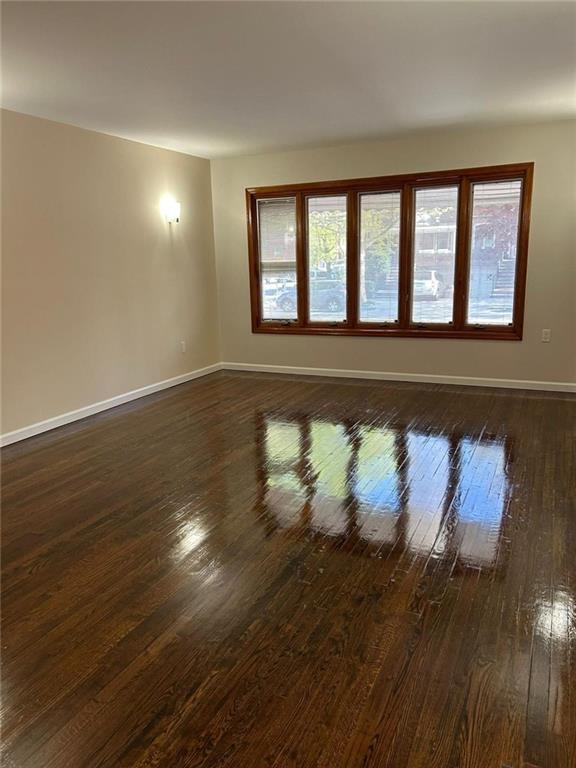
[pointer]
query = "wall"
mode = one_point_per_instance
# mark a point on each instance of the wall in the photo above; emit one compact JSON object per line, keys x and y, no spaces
{"x":98,"y":290}
{"x":551,"y":288}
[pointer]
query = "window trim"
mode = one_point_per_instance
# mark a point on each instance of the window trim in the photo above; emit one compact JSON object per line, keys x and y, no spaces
{"x":406,"y":184}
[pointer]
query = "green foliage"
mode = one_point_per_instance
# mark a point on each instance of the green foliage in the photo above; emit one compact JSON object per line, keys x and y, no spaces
{"x":326,"y":237}
{"x":438,"y":215}
{"x":379,"y":237}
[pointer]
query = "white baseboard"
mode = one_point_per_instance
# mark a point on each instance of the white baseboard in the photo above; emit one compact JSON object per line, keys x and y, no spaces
{"x":425,"y":378}
{"x":103,"y":405}
{"x":112,"y":402}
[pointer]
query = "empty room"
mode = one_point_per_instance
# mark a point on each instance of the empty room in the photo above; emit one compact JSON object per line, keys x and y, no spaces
{"x":288,"y":384}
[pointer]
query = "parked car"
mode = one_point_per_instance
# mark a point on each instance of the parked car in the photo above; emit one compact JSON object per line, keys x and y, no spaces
{"x":325,"y":295}
{"x":428,"y":284}
{"x":270,"y":292}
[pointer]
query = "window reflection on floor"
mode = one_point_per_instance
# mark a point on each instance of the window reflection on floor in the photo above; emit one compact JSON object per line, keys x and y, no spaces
{"x":376,"y":485}
{"x":284,"y":493}
{"x":329,"y":458}
{"x":428,"y":475}
{"x":372,"y":489}
{"x":554,"y":617}
{"x":481,"y":494}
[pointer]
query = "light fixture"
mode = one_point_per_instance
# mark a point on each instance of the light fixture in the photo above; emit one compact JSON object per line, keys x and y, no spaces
{"x":170,"y":208}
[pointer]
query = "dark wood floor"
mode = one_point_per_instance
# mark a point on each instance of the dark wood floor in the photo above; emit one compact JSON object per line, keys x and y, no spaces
{"x":263,"y":571}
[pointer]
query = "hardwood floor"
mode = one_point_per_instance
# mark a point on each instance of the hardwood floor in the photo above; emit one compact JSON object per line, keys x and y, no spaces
{"x":266,"y":571}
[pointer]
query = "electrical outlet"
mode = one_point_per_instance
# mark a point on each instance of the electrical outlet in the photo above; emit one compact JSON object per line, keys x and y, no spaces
{"x":546,"y":334}
{"x":183,"y":346}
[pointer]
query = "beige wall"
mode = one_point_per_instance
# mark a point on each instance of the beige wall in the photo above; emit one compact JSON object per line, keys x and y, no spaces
{"x":98,"y":290}
{"x":551,"y":290}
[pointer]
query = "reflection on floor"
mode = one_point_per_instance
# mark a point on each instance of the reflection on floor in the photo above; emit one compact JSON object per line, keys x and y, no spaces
{"x":253,"y":571}
{"x":373,"y":488}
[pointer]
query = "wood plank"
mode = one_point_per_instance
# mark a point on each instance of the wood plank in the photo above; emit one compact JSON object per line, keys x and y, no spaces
{"x":265,"y":570}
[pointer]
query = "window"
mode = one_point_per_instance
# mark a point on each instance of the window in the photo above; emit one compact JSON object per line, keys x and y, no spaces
{"x":435,"y":255}
{"x":379,"y":257}
{"x":277,"y":226}
{"x":327,"y":258}
{"x":436,"y":209}
{"x":495,"y":217}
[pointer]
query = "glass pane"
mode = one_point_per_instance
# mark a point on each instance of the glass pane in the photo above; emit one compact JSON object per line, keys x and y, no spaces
{"x":379,"y":250}
{"x":277,"y":231}
{"x":327,"y":258}
{"x":434,"y":254}
{"x":495,"y":215}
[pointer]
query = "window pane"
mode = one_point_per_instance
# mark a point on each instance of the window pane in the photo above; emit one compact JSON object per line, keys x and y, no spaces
{"x":277,"y":231}
{"x":379,"y":249}
{"x":495,"y":214}
{"x":436,"y":212}
{"x":327,"y":258}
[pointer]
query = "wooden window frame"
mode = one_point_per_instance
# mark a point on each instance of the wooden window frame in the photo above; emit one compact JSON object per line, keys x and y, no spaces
{"x":406,"y":184}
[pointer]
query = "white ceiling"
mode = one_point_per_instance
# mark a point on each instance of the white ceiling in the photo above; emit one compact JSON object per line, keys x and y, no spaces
{"x":223,"y":78}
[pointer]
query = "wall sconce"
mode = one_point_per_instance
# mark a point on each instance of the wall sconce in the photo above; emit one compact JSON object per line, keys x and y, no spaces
{"x":170,"y":208}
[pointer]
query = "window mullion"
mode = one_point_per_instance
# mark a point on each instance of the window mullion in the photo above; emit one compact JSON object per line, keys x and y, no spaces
{"x":522,"y":251}
{"x":462,"y":255}
{"x":254,"y":261}
{"x":406,"y":238}
{"x":352,"y":260}
{"x":301,"y":260}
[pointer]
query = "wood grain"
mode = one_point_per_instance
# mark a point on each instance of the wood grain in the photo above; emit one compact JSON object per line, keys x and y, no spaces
{"x":261,"y":570}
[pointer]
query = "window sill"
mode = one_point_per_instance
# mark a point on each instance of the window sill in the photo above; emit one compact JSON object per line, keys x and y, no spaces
{"x":444,"y":332}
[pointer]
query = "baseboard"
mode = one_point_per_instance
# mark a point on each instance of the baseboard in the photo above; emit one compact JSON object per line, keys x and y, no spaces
{"x":103,"y":405}
{"x":425,"y":378}
{"x":112,"y":402}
